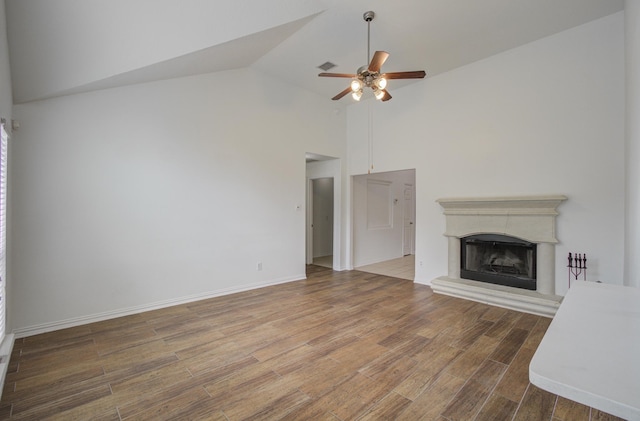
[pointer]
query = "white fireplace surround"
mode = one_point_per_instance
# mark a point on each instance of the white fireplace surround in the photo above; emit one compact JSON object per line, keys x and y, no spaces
{"x":531,"y":218}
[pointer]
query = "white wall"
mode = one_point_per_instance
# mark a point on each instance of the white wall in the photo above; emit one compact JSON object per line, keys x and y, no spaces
{"x":544,"y":118}
{"x":150,"y":194}
{"x":632,"y":220}
{"x":372,"y":241}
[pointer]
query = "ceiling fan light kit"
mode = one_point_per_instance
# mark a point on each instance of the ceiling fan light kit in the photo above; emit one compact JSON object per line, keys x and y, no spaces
{"x":369,"y":76}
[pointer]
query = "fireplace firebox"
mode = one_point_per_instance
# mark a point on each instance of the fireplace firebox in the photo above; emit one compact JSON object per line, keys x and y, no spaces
{"x":498,"y":259}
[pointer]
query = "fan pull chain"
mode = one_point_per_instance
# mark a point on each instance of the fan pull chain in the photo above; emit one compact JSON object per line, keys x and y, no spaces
{"x":370,"y":138}
{"x":368,"y":42}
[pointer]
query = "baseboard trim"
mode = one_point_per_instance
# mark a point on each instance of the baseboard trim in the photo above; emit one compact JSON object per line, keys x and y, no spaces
{"x":421,"y":282}
{"x":99,"y":317}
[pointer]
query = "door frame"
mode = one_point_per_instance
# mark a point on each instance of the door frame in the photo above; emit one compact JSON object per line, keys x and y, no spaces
{"x":324,"y":167}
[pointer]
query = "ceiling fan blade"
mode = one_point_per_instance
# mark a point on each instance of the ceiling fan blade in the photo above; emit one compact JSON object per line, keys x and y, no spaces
{"x":341,"y":94}
{"x":416,"y":74}
{"x":347,"y":75}
{"x":387,"y":96}
{"x":378,"y":60}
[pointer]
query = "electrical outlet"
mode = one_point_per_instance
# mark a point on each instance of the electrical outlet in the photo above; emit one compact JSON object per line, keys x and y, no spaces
{"x":259,"y":266}
{"x":420,"y":263}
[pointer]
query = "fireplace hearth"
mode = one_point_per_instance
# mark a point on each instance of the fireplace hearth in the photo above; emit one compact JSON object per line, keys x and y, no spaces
{"x":498,"y":259}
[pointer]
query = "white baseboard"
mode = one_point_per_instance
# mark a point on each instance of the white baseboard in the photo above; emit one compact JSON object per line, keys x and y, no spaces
{"x":98,"y":317}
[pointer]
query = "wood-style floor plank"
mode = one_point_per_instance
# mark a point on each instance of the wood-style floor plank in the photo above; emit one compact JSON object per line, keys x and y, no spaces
{"x":389,"y":408}
{"x":515,"y":382}
{"x":536,"y":404}
{"x":434,"y":400}
{"x":497,"y":408}
{"x":567,"y":410}
{"x":470,"y":399}
{"x":337,"y":346}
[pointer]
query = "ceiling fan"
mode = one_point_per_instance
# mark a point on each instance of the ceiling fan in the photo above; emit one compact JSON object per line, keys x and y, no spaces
{"x":369,"y":75}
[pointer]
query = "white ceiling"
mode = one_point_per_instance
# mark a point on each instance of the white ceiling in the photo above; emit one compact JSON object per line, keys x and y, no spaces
{"x":54,"y":48}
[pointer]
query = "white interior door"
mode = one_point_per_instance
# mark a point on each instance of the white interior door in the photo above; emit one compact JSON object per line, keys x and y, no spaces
{"x":309,"y":220}
{"x":409,"y":226}
{"x":322,"y":220}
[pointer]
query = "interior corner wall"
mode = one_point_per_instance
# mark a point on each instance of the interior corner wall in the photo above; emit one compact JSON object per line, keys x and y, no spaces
{"x":543,"y":118}
{"x":139,"y":197}
{"x":632,"y":220}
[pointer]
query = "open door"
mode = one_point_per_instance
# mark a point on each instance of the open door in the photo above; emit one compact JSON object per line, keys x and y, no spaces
{"x":409,"y":227}
{"x":321,"y":220}
{"x":323,"y":213}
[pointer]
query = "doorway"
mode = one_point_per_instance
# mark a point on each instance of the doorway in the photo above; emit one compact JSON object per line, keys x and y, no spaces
{"x":321,"y":196}
{"x":323,"y":207}
{"x":384,"y":212}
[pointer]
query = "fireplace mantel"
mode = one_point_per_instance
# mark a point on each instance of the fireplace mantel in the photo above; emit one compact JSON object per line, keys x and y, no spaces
{"x":530,"y":218}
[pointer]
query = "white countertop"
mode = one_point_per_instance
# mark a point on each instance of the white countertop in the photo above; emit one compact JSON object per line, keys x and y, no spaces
{"x":591,"y":350}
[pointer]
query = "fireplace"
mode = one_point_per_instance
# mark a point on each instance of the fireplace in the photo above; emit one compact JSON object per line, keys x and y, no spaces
{"x":511,"y":241}
{"x":498,"y":259}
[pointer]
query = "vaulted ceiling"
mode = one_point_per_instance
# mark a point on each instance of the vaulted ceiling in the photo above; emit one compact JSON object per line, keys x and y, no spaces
{"x":59,"y":47}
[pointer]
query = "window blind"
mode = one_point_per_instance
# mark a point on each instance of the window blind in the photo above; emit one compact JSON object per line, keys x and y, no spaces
{"x":3,"y":229}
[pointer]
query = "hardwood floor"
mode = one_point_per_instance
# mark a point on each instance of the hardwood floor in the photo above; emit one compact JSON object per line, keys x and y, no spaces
{"x":337,"y":346}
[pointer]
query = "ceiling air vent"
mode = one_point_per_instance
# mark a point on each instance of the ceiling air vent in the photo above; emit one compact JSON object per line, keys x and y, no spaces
{"x":326,"y":66}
